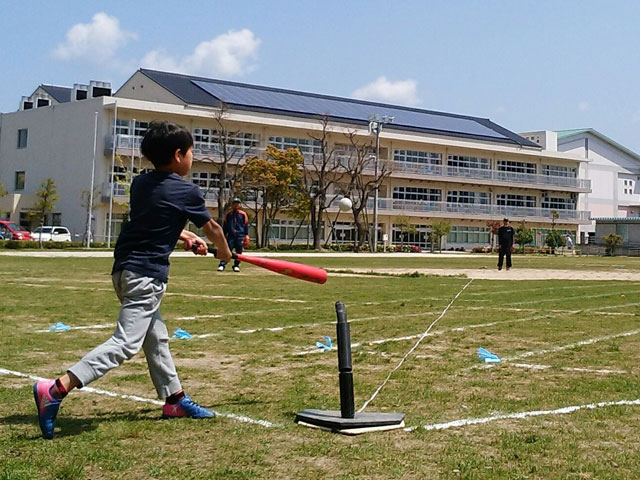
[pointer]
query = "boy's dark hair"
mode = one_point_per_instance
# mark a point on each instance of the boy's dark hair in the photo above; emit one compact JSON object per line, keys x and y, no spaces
{"x":161,"y":141}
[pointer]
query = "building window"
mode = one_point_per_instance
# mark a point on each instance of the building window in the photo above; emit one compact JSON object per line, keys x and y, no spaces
{"x":123,"y":127}
{"x":140,"y":128}
{"x":508,"y":200}
{"x":516,"y":167}
{"x":559,"y":171}
{"x":558,"y":203}
{"x":417,"y":156}
{"x":417,"y":193}
{"x":209,"y":141}
{"x":464,"y":234}
{"x":56,"y":219}
{"x":306,"y":147}
{"x":288,"y":229}
{"x":20,"y":181}
{"x":462,"y":161}
{"x":459,"y":196}
{"x":23,"y":133}
{"x":419,"y":238}
{"x":344,"y":232}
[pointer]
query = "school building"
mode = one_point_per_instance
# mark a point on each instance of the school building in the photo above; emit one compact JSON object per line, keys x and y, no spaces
{"x":463,"y":169}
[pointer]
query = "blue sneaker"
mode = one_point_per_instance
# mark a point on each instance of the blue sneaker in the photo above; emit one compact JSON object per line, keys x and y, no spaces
{"x":186,"y":408}
{"x":47,"y":406}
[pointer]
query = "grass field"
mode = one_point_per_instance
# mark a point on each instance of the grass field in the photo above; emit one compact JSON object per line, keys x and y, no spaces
{"x":253,"y":360}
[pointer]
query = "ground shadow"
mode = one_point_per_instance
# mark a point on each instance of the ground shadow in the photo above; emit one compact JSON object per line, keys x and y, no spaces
{"x":70,"y":426}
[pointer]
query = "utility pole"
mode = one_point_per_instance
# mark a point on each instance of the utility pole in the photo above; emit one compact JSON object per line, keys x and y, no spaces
{"x":375,"y":125}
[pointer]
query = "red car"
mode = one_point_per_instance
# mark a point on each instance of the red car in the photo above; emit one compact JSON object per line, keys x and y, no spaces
{"x":12,"y":231}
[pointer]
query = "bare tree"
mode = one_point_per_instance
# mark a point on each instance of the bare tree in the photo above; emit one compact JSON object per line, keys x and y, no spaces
{"x":231,"y":148}
{"x":321,"y":172}
{"x":362,"y":183}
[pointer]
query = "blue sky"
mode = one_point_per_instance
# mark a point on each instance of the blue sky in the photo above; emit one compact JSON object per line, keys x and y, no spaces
{"x":527,"y":65}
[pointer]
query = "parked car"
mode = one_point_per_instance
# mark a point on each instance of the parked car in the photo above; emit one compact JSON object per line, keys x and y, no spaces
{"x":52,"y":234}
{"x":12,"y":231}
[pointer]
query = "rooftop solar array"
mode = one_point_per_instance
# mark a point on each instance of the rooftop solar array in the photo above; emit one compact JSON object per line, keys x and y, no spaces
{"x":204,"y":91}
{"x":339,"y":108}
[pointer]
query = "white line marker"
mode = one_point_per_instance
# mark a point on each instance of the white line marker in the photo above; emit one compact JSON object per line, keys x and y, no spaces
{"x":86,"y":327}
{"x":135,"y":398}
{"x":568,"y":369}
{"x":229,"y":297}
{"x":535,"y":413}
{"x":311,"y":350}
{"x":557,"y":348}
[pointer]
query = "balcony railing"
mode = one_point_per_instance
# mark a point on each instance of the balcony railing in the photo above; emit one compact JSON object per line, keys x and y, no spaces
{"x":125,"y":142}
{"x":474,"y":209}
{"x":214,"y":149}
{"x":490,"y":174}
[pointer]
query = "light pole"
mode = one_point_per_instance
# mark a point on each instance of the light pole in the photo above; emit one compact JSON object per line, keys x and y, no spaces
{"x":93,"y":169}
{"x":111,"y":174}
{"x":375,"y":124}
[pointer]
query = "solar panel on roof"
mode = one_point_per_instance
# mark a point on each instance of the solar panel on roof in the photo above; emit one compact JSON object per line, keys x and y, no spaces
{"x":345,"y":109}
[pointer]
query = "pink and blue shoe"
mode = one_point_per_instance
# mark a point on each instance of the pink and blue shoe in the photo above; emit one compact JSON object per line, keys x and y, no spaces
{"x":186,"y":407}
{"x":47,"y":406}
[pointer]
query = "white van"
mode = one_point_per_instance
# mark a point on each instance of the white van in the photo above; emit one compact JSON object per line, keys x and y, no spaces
{"x":52,"y":234}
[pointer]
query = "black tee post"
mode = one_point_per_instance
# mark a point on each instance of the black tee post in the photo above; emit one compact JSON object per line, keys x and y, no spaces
{"x":347,"y":408}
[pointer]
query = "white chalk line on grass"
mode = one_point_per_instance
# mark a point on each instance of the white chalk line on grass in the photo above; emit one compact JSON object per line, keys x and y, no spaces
{"x":557,"y":348}
{"x":312,"y":350}
{"x":568,"y":299}
{"x":135,"y":398}
{"x":520,"y":415}
{"x":426,"y":332}
{"x":542,"y":288}
{"x":230,"y":297}
{"x":603,"y":371}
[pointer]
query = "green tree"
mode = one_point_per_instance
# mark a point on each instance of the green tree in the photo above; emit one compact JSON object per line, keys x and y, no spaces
{"x":276,"y":178}
{"x":46,"y":198}
{"x":406,"y":227}
{"x":3,"y":193}
{"x":612,"y":241}
{"x":523,"y":235}
{"x":555,"y":240}
{"x":438,"y":230}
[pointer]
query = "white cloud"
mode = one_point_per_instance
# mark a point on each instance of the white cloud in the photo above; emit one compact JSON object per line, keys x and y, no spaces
{"x":227,"y":55}
{"x":382,"y":90}
{"x":583,"y":106}
{"x":97,"y":41}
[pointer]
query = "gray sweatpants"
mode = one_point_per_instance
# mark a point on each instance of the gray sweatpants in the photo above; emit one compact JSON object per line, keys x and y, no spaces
{"x":139,"y":326}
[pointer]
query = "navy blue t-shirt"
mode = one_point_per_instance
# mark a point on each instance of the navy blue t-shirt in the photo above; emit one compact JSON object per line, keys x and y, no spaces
{"x":161,"y":204}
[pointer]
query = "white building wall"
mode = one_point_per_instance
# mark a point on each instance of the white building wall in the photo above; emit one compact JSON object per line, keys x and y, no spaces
{"x":608,"y":169}
{"x":64,"y":154}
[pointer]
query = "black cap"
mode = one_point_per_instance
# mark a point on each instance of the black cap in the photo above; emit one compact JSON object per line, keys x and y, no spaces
{"x":236,"y":199}
{"x":505,"y":219}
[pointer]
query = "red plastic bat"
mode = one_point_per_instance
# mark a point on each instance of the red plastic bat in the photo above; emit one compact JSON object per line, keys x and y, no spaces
{"x":283,"y":267}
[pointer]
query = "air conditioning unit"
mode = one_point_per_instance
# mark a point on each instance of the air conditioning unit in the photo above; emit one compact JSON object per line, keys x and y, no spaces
{"x":99,"y":89}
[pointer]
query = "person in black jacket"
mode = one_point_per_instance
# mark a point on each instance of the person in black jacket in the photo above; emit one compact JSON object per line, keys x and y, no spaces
{"x":505,"y":239}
